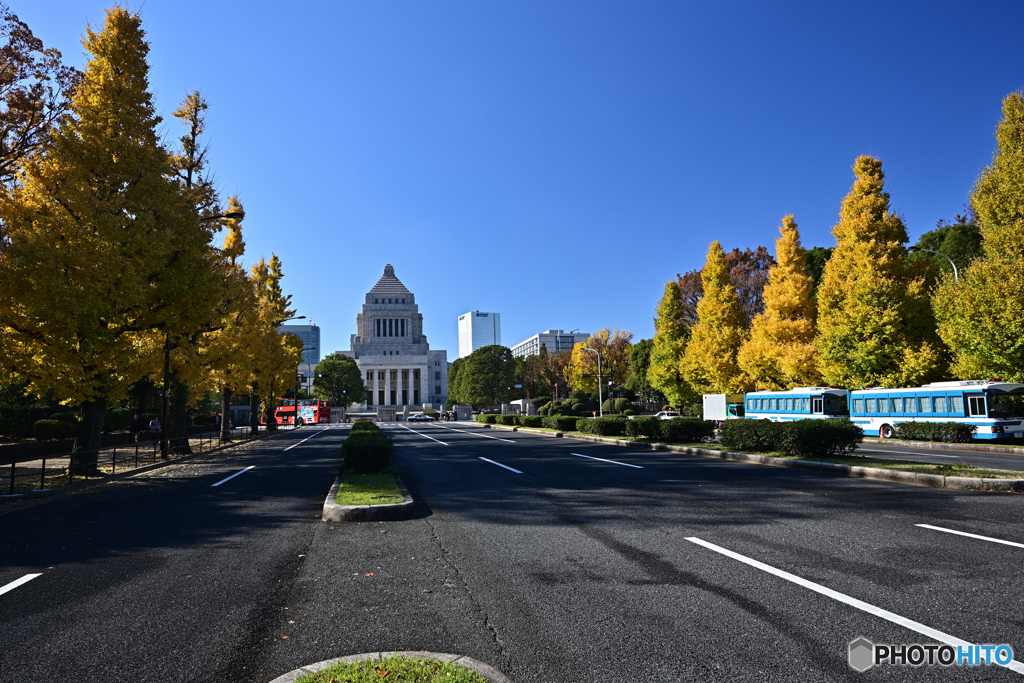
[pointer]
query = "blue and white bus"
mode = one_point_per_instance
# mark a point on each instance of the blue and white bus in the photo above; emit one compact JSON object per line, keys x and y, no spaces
{"x":994,"y":407}
{"x":801,"y":403}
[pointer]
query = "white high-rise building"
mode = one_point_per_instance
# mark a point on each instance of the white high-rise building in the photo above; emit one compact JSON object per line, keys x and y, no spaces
{"x":477,"y":330}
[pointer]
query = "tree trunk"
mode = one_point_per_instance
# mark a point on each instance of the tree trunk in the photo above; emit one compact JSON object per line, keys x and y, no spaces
{"x":254,"y":409}
{"x":87,"y":447}
{"x":177,"y":429}
{"x":165,"y":389}
{"x":225,"y":415}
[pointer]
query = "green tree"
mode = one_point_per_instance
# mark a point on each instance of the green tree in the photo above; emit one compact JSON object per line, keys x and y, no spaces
{"x":485,"y":376}
{"x":709,"y":361}
{"x":671,"y":333}
{"x":875,"y":325}
{"x":780,"y":352}
{"x":981,"y":317}
{"x":639,"y":366}
{"x":817,"y":257}
{"x":960,"y":241}
{"x":454,"y":383}
{"x":337,"y":379}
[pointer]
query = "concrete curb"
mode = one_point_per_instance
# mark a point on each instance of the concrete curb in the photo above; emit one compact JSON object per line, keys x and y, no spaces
{"x":488,"y":672}
{"x":366,"y":513}
{"x":49,"y":493}
{"x":938,"y":445}
{"x":936,"y":481}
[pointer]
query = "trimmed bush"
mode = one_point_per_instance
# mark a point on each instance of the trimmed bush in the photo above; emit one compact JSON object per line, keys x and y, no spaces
{"x":628,"y":411}
{"x":561,"y":423}
{"x":647,"y":427}
{"x":487,"y":419}
{"x":47,"y":430}
{"x":752,"y":435}
{"x":117,"y":420}
{"x":430,"y":412}
{"x":805,"y":438}
{"x":529,"y":420}
{"x":365,"y":426}
{"x":602,"y":426}
{"x":543,"y":410}
{"x":686,"y":431}
{"x":69,"y":417}
{"x":507,"y":420}
{"x":948,"y":432}
{"x":15,"y":421}
{"x":366,"y":451}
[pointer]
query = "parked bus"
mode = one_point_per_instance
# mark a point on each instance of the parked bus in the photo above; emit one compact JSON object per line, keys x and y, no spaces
{"x":994,"y":407}
{"x":310,"y":412}
{"x":801,"y":403}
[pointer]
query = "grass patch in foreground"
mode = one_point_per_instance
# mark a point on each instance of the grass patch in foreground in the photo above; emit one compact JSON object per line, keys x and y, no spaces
{"x":395,"y":669}
{"x":378,"y":488}
{"x":956,"y":470}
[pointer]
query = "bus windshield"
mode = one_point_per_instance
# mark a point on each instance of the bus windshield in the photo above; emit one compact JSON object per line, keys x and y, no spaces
{"x":836,"y":405}
{"x":1004,"y":406}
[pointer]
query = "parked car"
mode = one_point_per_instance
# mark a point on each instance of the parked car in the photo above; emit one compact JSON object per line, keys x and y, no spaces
{"x":667,"y":415}
{"x":420,"y":417}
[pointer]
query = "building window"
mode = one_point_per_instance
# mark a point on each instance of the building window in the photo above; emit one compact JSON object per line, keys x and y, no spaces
{"x":437,"y":376}
{"x":437,"y":390}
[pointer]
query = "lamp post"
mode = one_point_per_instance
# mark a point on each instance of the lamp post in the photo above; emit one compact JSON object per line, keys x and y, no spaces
{"x":600,"y":403}
{"x":298,"y":382}
{"x":956,"y":275}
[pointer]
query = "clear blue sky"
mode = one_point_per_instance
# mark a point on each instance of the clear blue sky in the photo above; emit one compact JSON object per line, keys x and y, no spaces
{"x":557,"y":162}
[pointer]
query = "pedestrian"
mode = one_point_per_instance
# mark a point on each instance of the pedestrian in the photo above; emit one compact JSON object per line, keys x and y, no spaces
{"x":134,"y":428}
{"x":154,"y":428}
{"x":216,"y":421}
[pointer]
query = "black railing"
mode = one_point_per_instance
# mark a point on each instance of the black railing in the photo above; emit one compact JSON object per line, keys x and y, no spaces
{"x":55,"y":471}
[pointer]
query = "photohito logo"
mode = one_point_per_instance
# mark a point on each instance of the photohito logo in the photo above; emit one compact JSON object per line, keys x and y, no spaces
{"x":864,"y":654}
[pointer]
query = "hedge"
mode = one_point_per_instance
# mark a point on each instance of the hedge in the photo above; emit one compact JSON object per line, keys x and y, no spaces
{"x":366,"y":451}
{"x":562,"y":424}
{"x":813,"y":438}
{"x":47,"y":430}
{"x":117,"y":420}
{"x":648,"y":427}
{"x":949,"y":432}
{"x":488,"y":419}
{"x":15,"y":421}
{"x":69,"y":417}
{"x":529,"y":420}
{"x":687,"y":431}
{"x":365,"y":426}
{"x":602,"y":426}
{"x":507,"y":420}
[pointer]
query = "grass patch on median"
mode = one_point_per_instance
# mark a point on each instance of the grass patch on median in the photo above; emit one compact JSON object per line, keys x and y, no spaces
{"x":955,"y":470}
{"x":375,"y":488}
{"x":397,"y":669}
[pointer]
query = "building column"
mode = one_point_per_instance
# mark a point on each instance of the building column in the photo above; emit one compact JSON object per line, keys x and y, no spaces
{"x":425,"y":383}
{"x":387,"y":386}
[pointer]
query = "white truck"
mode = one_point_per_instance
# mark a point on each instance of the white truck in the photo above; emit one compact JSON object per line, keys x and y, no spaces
{"x":722,"y":407}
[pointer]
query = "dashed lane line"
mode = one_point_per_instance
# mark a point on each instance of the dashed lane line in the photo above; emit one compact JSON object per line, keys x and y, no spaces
{"x":511,"y":469}
{"x":927,"y":631}
{"x":423,"y":435}
{"x":233,"y":476}
{"x":306,"y":439}
{"x":614,"y":462}
{"x":486,"y":436}
{"x":20,"y":582}
{"x":964,"y":533}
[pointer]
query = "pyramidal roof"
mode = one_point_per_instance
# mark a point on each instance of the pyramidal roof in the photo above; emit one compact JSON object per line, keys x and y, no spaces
{"x":389,"y":285}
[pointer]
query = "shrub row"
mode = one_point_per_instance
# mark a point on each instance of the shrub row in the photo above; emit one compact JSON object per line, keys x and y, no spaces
{"x":807,"y":438}
{"x":366,"y":449}
{"x":488,"y":419}
{"x":602,"y":426}
{"x":47,"y":430}
{"x":949,"y":432}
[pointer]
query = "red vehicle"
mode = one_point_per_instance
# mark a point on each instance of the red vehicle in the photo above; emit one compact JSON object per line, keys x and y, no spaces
{"x":310,"y":412}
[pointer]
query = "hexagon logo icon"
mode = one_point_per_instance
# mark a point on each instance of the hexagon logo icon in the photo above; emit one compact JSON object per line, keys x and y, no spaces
{"x":862,"y":654}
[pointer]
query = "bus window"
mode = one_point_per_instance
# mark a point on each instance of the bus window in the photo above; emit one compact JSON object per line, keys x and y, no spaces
{"x":924,"y":404}
{"x":736,"y":409}
{"x":1004,"y":406}
{"x":976,"y":406}
{"x":940,"y":404}
{"x":956,"y":405}
{"x":858,"y":405}
{"x":816,"y":404}
{"x":836,"y":405}
{"x":805,"y":404}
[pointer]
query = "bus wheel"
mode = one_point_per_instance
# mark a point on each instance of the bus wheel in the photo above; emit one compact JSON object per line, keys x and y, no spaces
{"x":886,"y":432}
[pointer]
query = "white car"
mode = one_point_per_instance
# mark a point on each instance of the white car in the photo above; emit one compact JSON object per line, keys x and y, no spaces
{"x":420,"y":417}
{"x":667,"y":415}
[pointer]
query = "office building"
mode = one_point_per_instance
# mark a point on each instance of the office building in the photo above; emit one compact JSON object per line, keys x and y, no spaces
{"x":556,"y":341}
{"x":310,"y":336}
{"x":477,"y":330}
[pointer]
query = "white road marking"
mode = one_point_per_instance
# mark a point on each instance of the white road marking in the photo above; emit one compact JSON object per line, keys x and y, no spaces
{"x":306,"y":439}
{"x":927,"y":631}
{"x":233,"y":476}
{"x":423,"y":435}
{"x":512,"y":469}
{"x":475,"y":434}
{"x":964,"y":533}
{"x":931,"y":455}
{"x":14,"y":584}
{"x":614,"y":462}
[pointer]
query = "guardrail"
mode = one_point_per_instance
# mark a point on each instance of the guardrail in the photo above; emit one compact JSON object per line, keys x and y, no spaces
{"x":55,"y":471}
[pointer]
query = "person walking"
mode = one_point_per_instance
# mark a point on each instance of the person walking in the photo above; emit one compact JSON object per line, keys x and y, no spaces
{"x":154,"y":428}
{"x":134,"y":427}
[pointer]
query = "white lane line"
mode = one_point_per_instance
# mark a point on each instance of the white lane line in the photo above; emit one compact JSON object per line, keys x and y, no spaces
{"x":511,"y":469}
{"x":14,"y":584}
{"x":614,"y":462}
{"x":475,"y":434}
{"x":423,"y":435}
{"x":233,"y":476}
{"x":306,"y":439}
{"x":964,"y":533}
{"x":930,"y":455}
{"x":852,"y":602}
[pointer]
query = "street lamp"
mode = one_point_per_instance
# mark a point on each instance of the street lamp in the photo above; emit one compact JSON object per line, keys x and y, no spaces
{"x":600,"y":404}
{"x":298,"y":382}
{"x":956,"y":275}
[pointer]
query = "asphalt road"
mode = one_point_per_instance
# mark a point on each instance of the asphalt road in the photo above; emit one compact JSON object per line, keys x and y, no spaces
{"x":942,"y":456}
{"x":553,"y":560}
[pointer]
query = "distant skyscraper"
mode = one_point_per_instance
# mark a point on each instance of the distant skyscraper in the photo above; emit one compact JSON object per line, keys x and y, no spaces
{"x":555,"y":341}
{"x":310,"y":336}
{"x":478,"y":329}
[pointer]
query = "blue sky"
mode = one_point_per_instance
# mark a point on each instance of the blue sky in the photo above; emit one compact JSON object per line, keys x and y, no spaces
{"x":557,"y":162}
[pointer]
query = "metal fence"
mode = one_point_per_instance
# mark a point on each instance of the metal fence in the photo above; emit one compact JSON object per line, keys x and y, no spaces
{"x":39,"y":473}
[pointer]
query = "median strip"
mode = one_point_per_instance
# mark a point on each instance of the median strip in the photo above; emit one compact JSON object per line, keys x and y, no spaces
{"x":927,"y":631}
{"x":964,"y":533}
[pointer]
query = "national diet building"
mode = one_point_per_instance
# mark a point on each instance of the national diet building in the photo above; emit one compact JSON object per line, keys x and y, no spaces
{"x":392,"y":352}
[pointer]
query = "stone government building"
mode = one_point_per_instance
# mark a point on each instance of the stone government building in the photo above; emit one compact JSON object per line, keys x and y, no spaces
{"x":392,"y":352}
